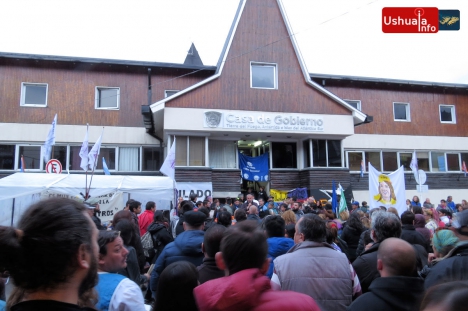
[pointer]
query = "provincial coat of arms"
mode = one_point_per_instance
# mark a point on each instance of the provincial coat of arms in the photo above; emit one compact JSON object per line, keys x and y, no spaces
{"x":213,"y":118}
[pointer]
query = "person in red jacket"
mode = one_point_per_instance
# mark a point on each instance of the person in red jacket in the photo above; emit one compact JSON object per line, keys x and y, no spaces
{"x":146,"y":218}
{"x":243,"y":257}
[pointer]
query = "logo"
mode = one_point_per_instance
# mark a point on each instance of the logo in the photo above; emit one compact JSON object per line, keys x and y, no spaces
{"x":449,"y":20}
{"x":410,"y":20}
{"x":213,"y":118}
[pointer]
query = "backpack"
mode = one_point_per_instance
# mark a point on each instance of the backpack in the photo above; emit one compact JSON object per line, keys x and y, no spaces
{"x":147,"y":243}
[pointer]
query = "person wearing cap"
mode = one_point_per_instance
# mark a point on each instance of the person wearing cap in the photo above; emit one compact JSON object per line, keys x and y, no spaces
{"x":354,"y":206}
{"x":453,"y":267}
{"x":187,"y":246}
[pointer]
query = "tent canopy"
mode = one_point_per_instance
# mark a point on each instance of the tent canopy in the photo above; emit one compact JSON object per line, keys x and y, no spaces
{"x":20,"y":184}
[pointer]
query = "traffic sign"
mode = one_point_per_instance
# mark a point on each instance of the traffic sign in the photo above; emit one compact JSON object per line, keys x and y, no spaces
{"x":54,"y":167}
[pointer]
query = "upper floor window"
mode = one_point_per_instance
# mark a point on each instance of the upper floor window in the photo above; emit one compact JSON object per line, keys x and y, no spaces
{"x":33,"y":94}
{"x":401,"y":112}
{"x":355,"y":103}
{"x":190,"y":151}
{"x":107,"y":97}
{"x":168,"y":93}
{"x":263,"y":76}
{"x":447,"y":114}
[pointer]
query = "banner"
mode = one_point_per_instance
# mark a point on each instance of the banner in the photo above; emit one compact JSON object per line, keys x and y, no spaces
{"x":254,"y":169}
{"x":201,"y":189}
{"x":387,"y":190}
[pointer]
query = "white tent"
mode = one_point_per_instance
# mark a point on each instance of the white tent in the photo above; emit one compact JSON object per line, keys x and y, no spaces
{"x":20,"y":190}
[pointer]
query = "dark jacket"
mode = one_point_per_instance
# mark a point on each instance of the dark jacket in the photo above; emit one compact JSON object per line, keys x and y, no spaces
{"x":351,"y":236}
{"x":208,"y":270}
{"x":180,"y":225}
{"x":410,"y":235}
{"x":397,"y":293}
{"x":277,"y":246}
{"x":366,"y":264}
{"x":452,"y":268}
{"x":364,"y":239}
{"x":132,"y":271}
{"x":254,"y":217}
{"x":161,"y":237}
{"x":187,"y":246}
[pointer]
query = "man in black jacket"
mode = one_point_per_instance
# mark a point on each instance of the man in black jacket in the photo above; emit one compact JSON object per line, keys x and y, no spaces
{"x":453,"y":267}
{"x":397,"y":288}
{"x":208,"y":270}
{"x":409,"y":233}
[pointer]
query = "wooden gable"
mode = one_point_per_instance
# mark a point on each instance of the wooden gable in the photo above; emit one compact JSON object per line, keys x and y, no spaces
{"x":261,"y":36}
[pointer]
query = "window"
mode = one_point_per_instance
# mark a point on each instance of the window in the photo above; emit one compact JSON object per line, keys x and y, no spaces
{"x":374,"y":159}
{"x":7,"y":157}
{"x":355,"y":157}
{"x":390,"y":162}
{"x":107,"y":98}
{"x":60,"y":153}
{"x":31,"y":156}
{"x":151,"y":161}
{"x":319,"y":153}
{"x":222,"y":154}
{"x":405,"y":160}
{"x":33,"y":94}
{"x":190,"y":151}
{"x":129,"y":159}
{"x":401,"y":112}
{"x":447,"y":114}
{"x":109,"y":154}
{"x":263,"y":76}
{"x":355,"y":103}
{"x":284,"y":155}
{"x":354,"y":161}
{"x":168,"y":93}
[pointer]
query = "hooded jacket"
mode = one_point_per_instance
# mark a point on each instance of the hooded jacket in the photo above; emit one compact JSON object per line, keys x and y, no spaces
{"x":396,"y":293}
{"x":277,"y":246}
{"x":161,"y":237}
{"x":248,"y":290}
{"x":187,"y":246}
{"x":420,"y":225}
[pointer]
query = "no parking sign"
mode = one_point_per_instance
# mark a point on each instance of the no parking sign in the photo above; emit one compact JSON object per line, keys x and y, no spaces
{"x":54,"y":166}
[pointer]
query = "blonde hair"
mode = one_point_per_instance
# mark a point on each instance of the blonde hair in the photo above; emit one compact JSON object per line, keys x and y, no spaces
{"x":289,"y":217}
{"x":366,"y":222}
{"x":344,"y":215}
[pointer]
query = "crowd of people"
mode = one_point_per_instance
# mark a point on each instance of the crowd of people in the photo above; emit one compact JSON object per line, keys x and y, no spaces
{"x":248,"y":253}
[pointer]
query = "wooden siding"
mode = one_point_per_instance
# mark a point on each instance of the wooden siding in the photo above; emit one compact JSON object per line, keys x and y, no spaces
{"x":226,"y":180}
{"x":377,"y":100}
{"x":323,"y":178}
{"x":71,"y":90}
{"x":189,"y":174}
{"x":261,"y":36}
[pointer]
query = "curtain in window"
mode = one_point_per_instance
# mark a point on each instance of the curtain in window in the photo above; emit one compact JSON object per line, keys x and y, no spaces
{"x":129,"y":159}
{"x":181,"y":151}
{"x":197,"y":151}
{"x":222,"y":154}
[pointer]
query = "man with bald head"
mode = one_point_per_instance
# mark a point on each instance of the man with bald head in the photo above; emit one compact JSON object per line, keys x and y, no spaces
{"x":397,"y":288}
{"x":253,"y":214}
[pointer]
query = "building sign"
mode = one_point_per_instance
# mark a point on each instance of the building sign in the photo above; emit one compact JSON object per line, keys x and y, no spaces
{"x":201,"y":189}
{"x":261,"y":121}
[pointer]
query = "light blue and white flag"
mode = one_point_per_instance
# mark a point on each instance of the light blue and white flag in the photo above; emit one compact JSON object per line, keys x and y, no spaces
{"x":104,"y":166}
{"x":168,"y":167}
{"x":84,"y":152}
{"x":94,"y":153}
{"x":50,"y":141}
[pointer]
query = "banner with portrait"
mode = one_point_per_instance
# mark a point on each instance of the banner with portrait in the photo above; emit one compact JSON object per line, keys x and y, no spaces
{"x":387,"y":190}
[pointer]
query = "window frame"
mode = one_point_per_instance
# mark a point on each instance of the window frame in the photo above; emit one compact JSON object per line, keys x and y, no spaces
{"x":205,"y":147}
{"x":166,"y":91}
{"x":96,"y":97}
{"x":24,"y":85}
{"x":358,"y":102}
{"x":275,"y":73}
{"x":408,"y":112}
{"x":452,"y":110}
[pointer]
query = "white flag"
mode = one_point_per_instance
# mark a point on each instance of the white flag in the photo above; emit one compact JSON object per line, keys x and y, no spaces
{"x":168,"y":167}
{"x":50,"y":141}
{"x":84,"y":151}
{"x":414,"y":163}
{"x":94,"y":153}
{"x":387,"y":190}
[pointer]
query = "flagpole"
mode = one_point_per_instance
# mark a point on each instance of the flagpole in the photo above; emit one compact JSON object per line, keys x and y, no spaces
{"x":95,"y":162}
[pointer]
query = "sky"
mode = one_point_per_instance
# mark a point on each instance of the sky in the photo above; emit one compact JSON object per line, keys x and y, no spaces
{"x":336,"y":37}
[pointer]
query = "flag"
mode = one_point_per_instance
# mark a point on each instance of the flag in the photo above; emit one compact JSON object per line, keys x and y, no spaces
{"x":50,"y":141}
{"x":104,"y":166}
{"x":94,"y":153}
{"x":363,"y":168}
{"x":387,"y":190}
{"x":22,"y":164}
{"x":84,"y":151}
{"x":168,"y":167}
{"x":414,"y":163}
{"x":343,"y":206}
{"x":464,"y":167}
{"x":334,"y":205}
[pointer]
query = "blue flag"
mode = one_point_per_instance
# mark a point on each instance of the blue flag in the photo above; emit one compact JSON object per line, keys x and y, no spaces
{"x":334,"y":202}
{"x":104,"y":166}
{"x":254,"y":168}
